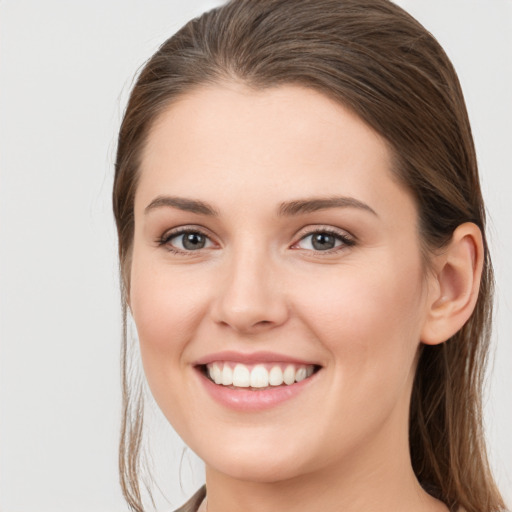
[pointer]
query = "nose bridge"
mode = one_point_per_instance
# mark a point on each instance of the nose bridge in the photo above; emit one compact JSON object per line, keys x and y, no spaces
{"x":249,"y":297}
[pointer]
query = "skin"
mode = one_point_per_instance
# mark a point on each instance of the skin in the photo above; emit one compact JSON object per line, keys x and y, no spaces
{"x":360,"y":311}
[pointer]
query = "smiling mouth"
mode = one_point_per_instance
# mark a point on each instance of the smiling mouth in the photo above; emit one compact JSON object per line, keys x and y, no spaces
{"x":257,"y":377}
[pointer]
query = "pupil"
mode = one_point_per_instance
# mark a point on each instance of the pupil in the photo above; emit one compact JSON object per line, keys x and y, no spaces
{"x":323,"y":241}
{"x":193,"y":241}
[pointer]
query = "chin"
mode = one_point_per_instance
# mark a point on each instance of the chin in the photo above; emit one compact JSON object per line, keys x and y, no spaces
{"x":257,"y":461}
{"x":256,"y":470}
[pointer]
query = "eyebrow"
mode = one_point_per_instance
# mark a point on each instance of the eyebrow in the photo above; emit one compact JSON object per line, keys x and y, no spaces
{"x":289,"y":208}
{"x":302,"y":206}
{"x":181,"y":203}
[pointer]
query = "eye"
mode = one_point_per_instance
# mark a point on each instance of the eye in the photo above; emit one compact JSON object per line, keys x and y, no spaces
{"x":185,"y":241}
{"x":323,"y":240}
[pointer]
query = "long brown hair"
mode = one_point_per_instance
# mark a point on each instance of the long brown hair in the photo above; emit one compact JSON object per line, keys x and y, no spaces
{"x":375,"y":59}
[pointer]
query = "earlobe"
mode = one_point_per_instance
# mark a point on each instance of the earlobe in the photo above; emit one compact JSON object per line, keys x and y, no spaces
{"x":454,"y":292}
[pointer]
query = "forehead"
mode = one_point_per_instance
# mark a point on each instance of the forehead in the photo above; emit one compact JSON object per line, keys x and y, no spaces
{"x":229,"y":141}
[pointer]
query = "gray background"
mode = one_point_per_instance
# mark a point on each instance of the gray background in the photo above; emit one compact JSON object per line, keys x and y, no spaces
{"x":65,"y":72}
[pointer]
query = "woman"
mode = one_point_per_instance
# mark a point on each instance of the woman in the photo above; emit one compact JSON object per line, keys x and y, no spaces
{"x":302,"y":248}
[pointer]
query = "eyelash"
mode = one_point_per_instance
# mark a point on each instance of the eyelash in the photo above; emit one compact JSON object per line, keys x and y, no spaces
{"x":165,"y":239}
{"x":346,"y":240}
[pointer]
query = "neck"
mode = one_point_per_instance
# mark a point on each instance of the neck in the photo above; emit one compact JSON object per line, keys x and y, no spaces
{"x":379,"y":477}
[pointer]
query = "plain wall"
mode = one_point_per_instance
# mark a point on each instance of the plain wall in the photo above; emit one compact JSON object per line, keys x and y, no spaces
{"x":65,"y":72}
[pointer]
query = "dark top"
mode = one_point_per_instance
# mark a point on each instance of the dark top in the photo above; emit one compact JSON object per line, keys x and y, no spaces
{"x":195,"y":502}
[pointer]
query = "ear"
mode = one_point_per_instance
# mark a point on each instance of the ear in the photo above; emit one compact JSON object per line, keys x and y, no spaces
{"x":455,"y":284}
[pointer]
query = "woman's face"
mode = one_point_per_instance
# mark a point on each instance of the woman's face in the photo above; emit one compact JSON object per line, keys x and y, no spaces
{"x":272,"y":242}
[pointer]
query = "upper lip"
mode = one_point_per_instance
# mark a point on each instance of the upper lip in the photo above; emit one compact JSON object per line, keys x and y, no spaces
{"x":250,"y":358}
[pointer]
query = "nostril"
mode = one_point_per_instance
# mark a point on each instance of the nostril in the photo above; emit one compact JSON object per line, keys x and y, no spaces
{"x":249,"y":314}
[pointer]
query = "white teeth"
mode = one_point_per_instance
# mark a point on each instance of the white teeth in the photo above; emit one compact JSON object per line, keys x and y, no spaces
{"x":275,"y":377}
{"x":258,"y":376}
{"x":241,"y":376}
{"x":216,"y":373}
{"x":227,"y":376}
{"x":289,"y":374}
{"x":300,"y":374}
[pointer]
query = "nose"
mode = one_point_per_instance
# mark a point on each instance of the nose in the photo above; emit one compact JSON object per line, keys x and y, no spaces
{"x":250,"y":297}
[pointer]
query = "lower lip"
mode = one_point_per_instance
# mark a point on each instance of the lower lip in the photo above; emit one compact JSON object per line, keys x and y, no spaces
{"x":244,"y":399}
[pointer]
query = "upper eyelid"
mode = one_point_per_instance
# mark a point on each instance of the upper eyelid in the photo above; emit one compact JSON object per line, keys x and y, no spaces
{"x":311,"y":230}
{"x":193,"y":228}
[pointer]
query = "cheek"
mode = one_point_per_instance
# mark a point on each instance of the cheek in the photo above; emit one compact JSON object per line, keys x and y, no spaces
{"x":369,"y":317}
{"x":165,"y":309}
{"x":369,"y":320}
